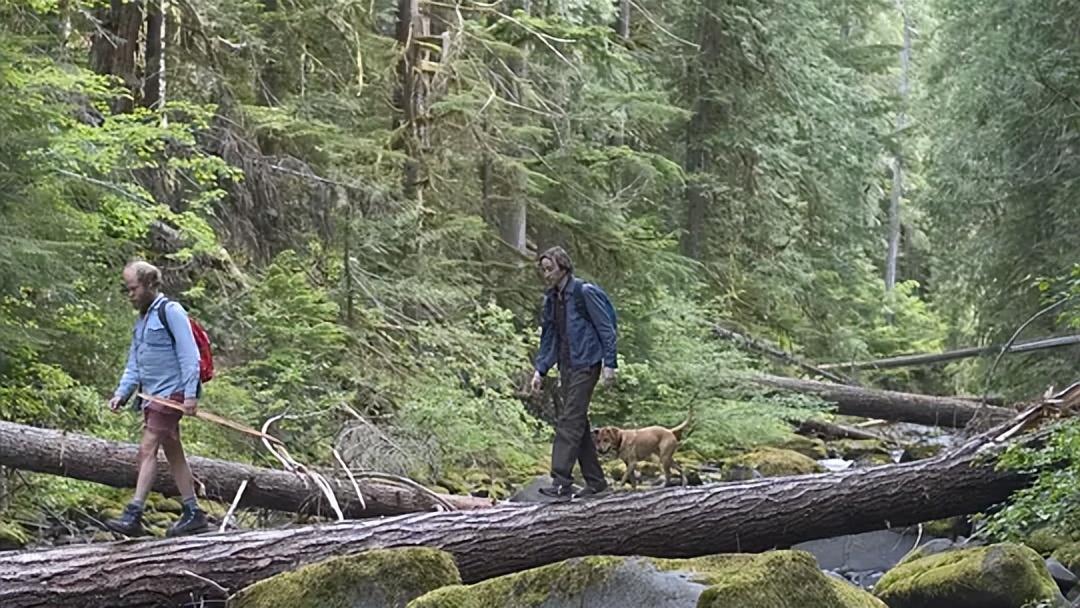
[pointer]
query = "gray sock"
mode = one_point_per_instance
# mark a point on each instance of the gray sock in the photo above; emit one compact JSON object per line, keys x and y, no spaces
{"x":138,"y":502}
{"x":191,"y":503}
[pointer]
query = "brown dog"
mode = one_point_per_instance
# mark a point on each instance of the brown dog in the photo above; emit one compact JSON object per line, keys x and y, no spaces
{"x":633,"y":445}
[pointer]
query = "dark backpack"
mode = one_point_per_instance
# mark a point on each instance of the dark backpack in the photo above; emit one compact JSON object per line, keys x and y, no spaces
{"x":583,"y":310}
{"x":202,"y":341}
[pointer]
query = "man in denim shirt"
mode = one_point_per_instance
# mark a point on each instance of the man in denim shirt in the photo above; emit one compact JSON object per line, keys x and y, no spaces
{"x":581,"y":345}
{"x":163,"y":366}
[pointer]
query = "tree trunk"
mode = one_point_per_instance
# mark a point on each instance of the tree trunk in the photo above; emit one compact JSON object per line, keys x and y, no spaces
{"x":114,"y":48}
{"x":893,"y":253}
{"x":114,"y":464}
{"x":153,"y":93}
{"x":622,"y":23}
{"x":674,"y":522}
{"x":890,"y":405}
{"x":412,"y":95}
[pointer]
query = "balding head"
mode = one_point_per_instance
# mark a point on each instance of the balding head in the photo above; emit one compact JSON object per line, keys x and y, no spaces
{"x":143,"y":282}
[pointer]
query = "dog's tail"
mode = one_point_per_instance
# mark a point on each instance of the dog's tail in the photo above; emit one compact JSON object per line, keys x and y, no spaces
{"x":678,"y":430}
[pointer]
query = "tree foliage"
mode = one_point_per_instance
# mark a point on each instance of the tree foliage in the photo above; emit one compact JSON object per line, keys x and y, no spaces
{"x":726,"y":162}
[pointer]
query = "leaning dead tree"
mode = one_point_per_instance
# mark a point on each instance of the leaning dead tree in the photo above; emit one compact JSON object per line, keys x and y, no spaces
{"x":890,"y":405}
{"x":961,"y":353}
{"x":114,"y":464}
{"x":675,"y":522}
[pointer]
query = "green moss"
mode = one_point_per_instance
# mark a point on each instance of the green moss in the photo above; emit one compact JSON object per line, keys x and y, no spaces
{"x":921,"y":451}
{"x":158,"y":519}
{"x":853,"y":449}
{"x":940,"y":528}
{"x":1005,"y":575}
{"x":381,"y":577}
{"x":773,"y":462}
{"x":524,"y":589}
{"x":13,"y":536}
{"x":165,"y":505}
{"x":779,"y":579}
{"x":1045,"y":540}
{"x":811,"y":447}
{"x":1069,"y":555}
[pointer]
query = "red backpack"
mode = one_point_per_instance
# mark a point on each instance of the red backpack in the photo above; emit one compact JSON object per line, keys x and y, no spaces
{"x":202,"y":341}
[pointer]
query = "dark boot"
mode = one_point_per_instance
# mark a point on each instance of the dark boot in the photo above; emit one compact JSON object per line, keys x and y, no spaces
{"x":129,"y":524}
{"x":192,"y":521}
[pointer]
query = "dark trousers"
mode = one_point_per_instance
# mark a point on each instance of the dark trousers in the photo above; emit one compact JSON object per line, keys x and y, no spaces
{"x":573,"y":435}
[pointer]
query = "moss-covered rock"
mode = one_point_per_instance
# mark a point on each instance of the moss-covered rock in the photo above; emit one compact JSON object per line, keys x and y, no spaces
{"x":1045,"y":540}
{"x":771,"y":462}
{"x":778,"y":579}
{"x":381,"y":578}
{"x":1005,"y":575}
{"x":950,"y":527}
{"x":811,"y":447}
{"x":1069,"y":555}
{"x":920,"y":451}
{"x":13,"y":536}
{"x":784,"y":579}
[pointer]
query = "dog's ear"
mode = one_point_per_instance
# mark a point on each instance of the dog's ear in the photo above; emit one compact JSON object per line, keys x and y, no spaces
{"x":595,"y":434}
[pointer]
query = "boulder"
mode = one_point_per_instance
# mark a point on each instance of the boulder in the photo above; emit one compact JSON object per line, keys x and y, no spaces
{"x":1005,"y":575}
{"x":811,"y":447}
{"x":381,"y":578}
{"x":1069,"y":555}
{"x":778,"y":579}
{"x":770,"y":462}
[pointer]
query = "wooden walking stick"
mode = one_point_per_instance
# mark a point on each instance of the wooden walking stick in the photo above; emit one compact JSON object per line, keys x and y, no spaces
{"x":212,"y":418}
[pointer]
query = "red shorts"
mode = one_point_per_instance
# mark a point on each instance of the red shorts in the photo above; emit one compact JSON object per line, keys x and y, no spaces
{"x":162,"y":419}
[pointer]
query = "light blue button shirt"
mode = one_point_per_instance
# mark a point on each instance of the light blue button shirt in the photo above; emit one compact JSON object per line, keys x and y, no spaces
{"x":154,"y":362}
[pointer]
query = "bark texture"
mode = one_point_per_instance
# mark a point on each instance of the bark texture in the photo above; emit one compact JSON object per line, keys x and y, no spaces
{"x":674,"y":522}
{"x":114,"y":464}
{"x":892,"y":405}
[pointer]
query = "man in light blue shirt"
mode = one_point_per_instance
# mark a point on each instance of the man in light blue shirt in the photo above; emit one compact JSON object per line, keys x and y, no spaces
{"x":162,"y":362}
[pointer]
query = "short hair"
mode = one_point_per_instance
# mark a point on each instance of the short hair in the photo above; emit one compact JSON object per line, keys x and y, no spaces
{"x":559,"y":256}
{"x":146,"y":273}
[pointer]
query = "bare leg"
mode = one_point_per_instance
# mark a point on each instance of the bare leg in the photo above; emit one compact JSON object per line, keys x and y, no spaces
{"x":148,"y":450}
{"x":178,"y":464}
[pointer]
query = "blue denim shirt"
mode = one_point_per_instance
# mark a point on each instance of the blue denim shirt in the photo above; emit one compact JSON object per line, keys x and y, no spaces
{"x":591,"y":341}
{"x":153,"y":362}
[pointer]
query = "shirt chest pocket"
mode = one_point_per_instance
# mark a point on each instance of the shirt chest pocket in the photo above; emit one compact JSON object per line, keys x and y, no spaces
{"x":155,"y":335}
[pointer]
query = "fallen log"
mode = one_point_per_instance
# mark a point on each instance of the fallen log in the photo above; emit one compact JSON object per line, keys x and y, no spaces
{"x":114,"y":464}
{"x":674,"y":522}
{"x":891,"y":405}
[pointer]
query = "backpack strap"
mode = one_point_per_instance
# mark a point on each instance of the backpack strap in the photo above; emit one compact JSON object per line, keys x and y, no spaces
{"x":165,"y":318}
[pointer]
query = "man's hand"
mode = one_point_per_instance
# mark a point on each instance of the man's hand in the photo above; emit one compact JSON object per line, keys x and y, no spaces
{"x":116,"y":403}
{"x":609,"y":376}
{"x":535,"y":384}
{"x":191,"y":406}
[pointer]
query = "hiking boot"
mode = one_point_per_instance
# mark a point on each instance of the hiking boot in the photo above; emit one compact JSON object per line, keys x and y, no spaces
{"x":192,"y":521}
{"x":129,"y":524}
{"x":588,"y":491}
{"x":558,"y":492}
